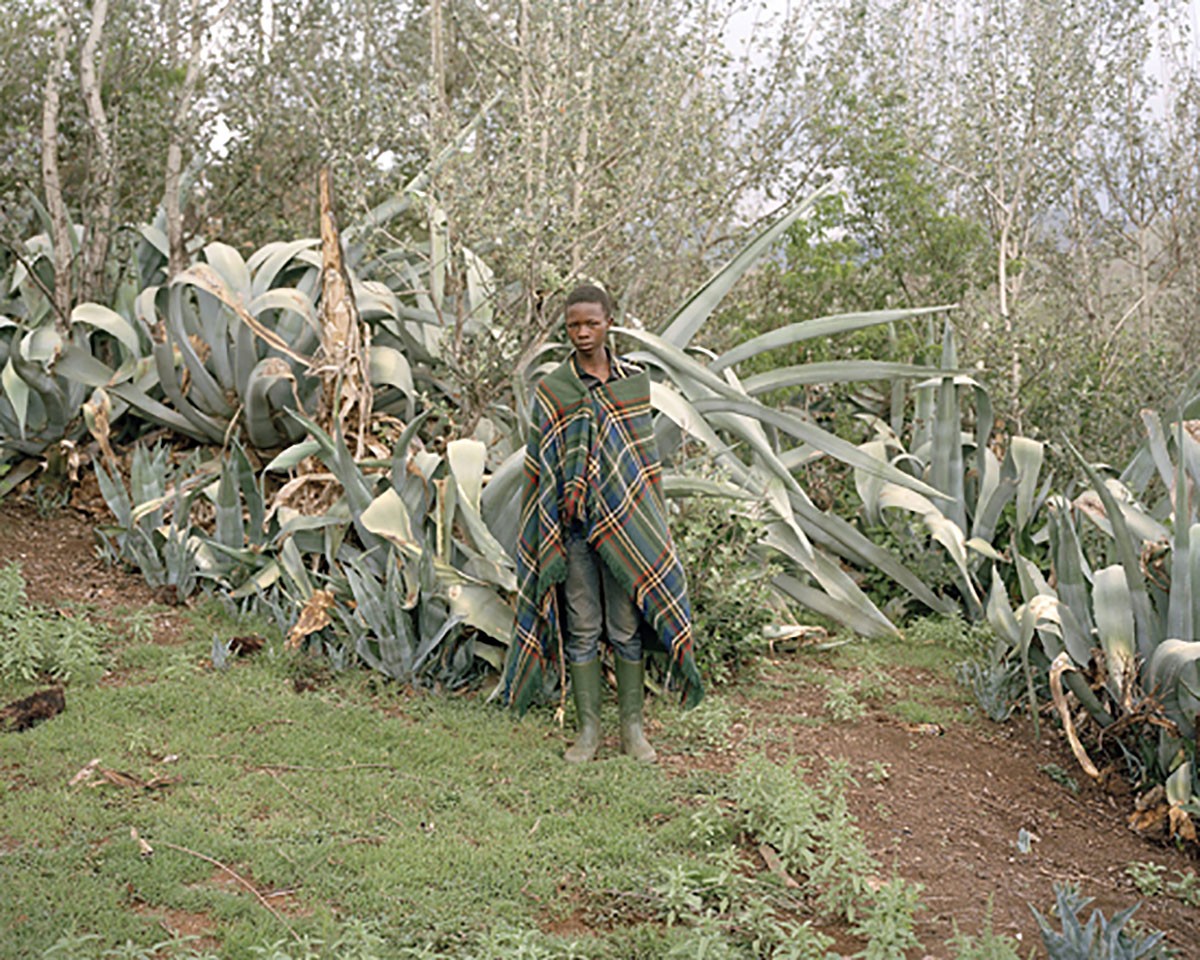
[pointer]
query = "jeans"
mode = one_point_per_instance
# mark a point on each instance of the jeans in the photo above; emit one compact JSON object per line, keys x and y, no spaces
{"x":596,"y":602}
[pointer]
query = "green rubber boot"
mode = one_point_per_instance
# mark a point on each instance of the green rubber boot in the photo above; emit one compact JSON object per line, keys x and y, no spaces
{"x":585,"y":685}
{"x":631,"y":680}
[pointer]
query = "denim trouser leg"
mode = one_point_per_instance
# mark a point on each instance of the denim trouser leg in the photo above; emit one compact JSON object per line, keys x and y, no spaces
{"x":596,"y":602}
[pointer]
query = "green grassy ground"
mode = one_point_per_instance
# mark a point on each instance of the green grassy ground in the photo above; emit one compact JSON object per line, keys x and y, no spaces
{"x":370,"y":821}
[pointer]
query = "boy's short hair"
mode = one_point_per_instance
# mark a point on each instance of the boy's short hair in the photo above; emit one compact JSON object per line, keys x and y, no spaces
{"x":590,"y":293}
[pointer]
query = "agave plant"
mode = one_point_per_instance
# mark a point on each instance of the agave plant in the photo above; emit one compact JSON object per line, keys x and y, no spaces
{"x":1122,"y":635}
{"x":969,"y":521}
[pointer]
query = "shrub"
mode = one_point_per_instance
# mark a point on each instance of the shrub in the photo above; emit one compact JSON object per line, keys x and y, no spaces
{"x":729,"y":583}
{"x":34,"y":644}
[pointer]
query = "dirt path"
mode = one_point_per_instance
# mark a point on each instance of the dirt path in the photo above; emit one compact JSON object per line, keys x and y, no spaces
{"x":948,"y":814}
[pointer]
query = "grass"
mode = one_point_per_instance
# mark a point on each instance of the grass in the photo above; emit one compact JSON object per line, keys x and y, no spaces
{"x":377,"y":822}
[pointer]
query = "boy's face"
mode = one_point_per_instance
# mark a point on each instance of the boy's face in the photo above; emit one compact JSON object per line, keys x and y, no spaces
{"x":587,"y":326}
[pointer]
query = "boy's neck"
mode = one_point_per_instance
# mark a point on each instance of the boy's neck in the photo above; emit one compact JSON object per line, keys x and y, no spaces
{"x":596,"y":364}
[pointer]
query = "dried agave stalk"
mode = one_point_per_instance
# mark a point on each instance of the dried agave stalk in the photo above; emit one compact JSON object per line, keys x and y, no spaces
{"x":341,"y":360}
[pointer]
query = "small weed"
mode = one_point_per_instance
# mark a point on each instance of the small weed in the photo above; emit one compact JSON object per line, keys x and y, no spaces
{"x":1186,"y":888}
{"x":988,"y":945}
{"x":36,"y":644}
{"x":811,"y":828}
{"x":139,"y":624}
{"x":1147,"y":877}
{"x":707,"y":726}
{"x":878,"y":771}
{"x":1060,"y":776}
{"x":841,"y":703}
{"x":888,"y":922}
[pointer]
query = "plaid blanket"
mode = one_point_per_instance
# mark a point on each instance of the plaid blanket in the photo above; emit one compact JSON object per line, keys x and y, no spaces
{"x":591,"y":458}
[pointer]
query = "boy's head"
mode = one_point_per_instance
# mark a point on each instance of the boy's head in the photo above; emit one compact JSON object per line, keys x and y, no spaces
{"x":590,"y":293}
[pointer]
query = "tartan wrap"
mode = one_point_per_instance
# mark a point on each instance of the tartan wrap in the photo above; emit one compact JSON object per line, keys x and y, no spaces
{"x":591,"y":457}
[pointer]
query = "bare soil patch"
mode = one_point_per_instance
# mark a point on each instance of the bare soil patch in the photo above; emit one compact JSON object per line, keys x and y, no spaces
{"x":948,"y":813}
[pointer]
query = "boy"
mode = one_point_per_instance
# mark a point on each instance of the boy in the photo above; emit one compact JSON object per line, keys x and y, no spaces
{"x":594,"y":543}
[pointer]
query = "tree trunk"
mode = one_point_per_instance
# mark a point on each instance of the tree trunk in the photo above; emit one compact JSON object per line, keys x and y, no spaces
{"x":173,"y":203}
{"x":60,"y":223}
{"x":96,"y":248}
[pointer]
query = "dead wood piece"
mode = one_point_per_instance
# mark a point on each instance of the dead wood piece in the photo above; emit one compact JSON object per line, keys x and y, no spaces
{"x":245,"y":645}
{"x":31,"y":710}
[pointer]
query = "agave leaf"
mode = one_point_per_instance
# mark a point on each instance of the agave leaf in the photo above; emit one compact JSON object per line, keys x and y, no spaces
{"x":1000,"y":613}
{"x":500,"y":502}
{"x":261,"y":414}
{"x":949,"y":534}
{"x":1114,"y":624}
{"x":41,"y":346}
{"x":1027,"y":457}
{"x":290,"y":300}
{"x":997,"y":485}
{"x":400,"y":452}
{"x":230,"y":266}
{"x":1156,"y":442}
{"x":813,"y":435}
{"x":17,"y":392}
{"x":701,"y":304}
{"x":667,"y":400}
{"x":692,"y":377}
{"x":869,"y":486}
{"x":210,"y":398}
{"x":480,"y":606}
{"x":1129,"y":555}
{"x":820,"y":328}
{"x":1180,"y":601}
{"x":1173,"y":676}
{"x":430,"y":644}
{"x":230,"y":528}
{"x":1179,"y":785}
{"x":1027,"y":627}
{"x":467,"y":458}
{"x":155,"y":237}
{"x":291,"y":564}
{"x":293,"y":456}
{"x":388,"y":517}
{"x":836,"y":609}
{"x":1069,"y":563}
{"x":333,"y":451}
{"x":985,"y":549}
{"x":111,"y":322}
{"x":946,"y":460}
{"x":684,"y":485}
{"x":389,"y":367}
{"x":843,"y":593}
{"x":833,"y":371}
{"x":1033,"y":584}
{"x":375,"y":300}
{"x":268,"y":261}
{"x":1194,"y":576}
{"x":893,"y":495}
{"x":384,"y":610}
{"x":204,"y":278}
{"x":208,"y":428}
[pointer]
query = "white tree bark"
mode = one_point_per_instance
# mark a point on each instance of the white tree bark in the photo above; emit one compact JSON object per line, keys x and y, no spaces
{"x":97,"y":241}
{"x":180,"y":126}
{"x":60,"y":223}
